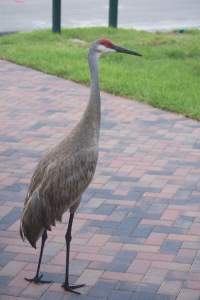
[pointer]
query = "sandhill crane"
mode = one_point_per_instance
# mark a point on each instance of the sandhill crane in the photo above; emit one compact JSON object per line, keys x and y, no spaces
{"x":64,"y":173}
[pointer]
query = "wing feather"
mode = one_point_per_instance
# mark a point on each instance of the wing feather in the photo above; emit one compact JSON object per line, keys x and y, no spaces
{"x":59,"y":183}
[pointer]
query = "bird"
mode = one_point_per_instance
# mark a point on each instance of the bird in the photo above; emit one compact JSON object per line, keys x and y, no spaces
{"x":63,"y":174}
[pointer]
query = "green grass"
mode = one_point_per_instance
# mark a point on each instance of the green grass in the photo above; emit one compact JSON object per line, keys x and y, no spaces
{"x":167,"y":76}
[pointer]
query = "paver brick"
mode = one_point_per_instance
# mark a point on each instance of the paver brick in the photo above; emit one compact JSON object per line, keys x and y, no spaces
{"x":186,"y":255}
{"x":184,"y":238}
{"x":5,"y":257}
{"x":170,"y":287}
{"x":98,"y":239}
{"x":95,"y":257}
{"x":90,"y":276}
{"x":142,"y":248}
{"x":170,"y":214}
{"x":34,"y":291}
{"x":5,"y":210}
{"x":118,"y":295}
{"x":188,"y":294}
{"x":192,"y":284}
{"x":155,"y":275}
{"x":11,"y":291}
{"x":171,"y":265}
{"x":118,"y":276}
{"x":12,"y":268}
{"x":139,"y":266}
{"x":170,"y":246}
{"x":150,"y":296}
{"x":51,"y":295}
{"x":156,"y":238}
{"x":102,"y":289}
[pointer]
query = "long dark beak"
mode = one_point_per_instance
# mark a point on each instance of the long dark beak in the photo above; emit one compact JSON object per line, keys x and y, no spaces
{"x":124,"y":50}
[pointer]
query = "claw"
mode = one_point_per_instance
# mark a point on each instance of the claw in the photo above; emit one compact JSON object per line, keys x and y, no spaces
{"x":71,"y":288}
{"x":38,"y":279}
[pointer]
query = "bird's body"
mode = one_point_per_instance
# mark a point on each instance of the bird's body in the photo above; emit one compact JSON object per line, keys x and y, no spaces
{"x":64,"y":173}
{"x":56,"y":186}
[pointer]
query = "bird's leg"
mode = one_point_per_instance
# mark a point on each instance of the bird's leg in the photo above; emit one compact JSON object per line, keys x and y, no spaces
{"x":38,"y":278}
{"x":68,"y":238}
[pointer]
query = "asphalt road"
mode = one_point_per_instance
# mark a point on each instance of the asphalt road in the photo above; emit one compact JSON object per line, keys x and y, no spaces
{"x":23,"y":15}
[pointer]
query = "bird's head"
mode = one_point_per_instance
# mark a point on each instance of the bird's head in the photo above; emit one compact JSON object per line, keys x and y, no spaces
{"x":105,"y":46}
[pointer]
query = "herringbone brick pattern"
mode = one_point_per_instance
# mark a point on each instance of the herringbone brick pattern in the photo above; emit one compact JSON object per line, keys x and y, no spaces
{"x":137,"y":232}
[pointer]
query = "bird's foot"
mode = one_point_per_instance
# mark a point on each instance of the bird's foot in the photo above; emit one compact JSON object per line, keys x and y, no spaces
{"x":38,"y":279}
{"x":72,"y":288}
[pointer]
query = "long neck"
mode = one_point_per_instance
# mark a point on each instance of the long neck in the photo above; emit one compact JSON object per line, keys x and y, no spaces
{"x":94,"y":77}
{"x":92,"y":115}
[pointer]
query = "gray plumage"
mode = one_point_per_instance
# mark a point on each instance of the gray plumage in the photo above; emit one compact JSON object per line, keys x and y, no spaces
{"x":64,"y":173}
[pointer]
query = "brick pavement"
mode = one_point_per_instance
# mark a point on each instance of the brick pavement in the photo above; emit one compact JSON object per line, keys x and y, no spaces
{"x":137,"y":231}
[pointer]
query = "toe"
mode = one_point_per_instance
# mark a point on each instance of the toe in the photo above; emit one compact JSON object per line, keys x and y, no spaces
{"x":72,"y":288}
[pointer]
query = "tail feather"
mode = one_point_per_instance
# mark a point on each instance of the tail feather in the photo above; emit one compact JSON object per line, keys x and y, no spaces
{"x":21,"y":232}
{"x":32,"y":220}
